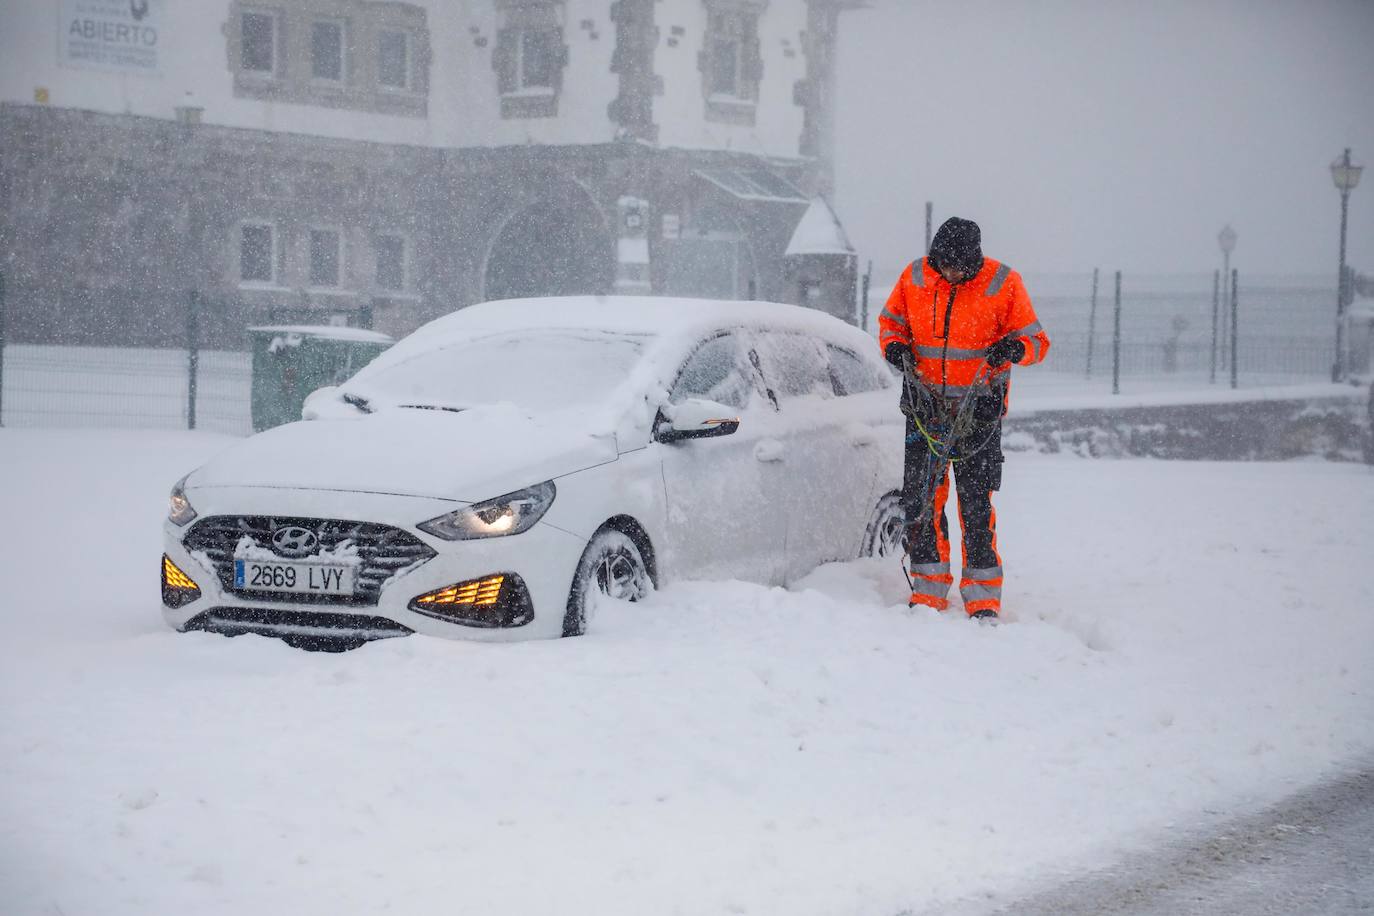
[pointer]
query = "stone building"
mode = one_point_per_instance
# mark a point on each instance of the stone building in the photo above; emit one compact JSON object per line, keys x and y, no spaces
{"x":379,"y":163}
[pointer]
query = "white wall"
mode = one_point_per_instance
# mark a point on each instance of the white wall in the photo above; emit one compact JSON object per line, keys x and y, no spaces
{"x":465,"y":97}
{"x":464,"y":106}
{"x":681,"y":111}
{"x":193,"y":58}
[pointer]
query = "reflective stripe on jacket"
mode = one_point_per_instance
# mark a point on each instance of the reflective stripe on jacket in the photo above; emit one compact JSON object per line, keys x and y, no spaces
{"x":950,"y":327}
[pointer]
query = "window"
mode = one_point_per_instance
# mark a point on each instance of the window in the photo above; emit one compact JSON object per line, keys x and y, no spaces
{"x":716,"y":371}
{"x":303,"y":53}
{"x":529,"y":59}
{"x":725,"y":45}
{"x":325,"y":257}
{"x":391,"y":262}
{"x":852,"y":375}
{"x":393,"y":60}
{"x":537,"y":51}
{"x":258,"y":42}
{"x":327,"y":50}
{"x":257,"y":253}
{"x":731,"y":60}
{"x":797,"y":365}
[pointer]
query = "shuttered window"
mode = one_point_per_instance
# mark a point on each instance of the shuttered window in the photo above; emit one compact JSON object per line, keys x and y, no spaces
{"x":393,"y":60}
{"x":258,"y":42}
{"x":529,"y":59}
{"x":326,"y":257}
{"x":257,"y":253}
{"x":327,"y":50}
{"x":731,"y":60}
{"x":391,"y":262}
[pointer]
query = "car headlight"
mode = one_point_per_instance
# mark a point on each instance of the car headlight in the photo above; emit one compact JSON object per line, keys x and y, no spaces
{"x":499,"y":517}
{"x":179,"y":510}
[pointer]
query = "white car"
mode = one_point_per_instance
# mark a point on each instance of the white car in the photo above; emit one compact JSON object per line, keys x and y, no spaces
{"x":496,"y":471}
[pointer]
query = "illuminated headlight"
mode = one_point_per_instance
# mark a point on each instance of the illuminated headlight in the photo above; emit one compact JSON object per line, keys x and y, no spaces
{"x":499,"y":517}
{"x":179,"y":510}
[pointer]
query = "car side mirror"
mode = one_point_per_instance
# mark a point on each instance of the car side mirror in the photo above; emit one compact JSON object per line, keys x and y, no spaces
{"x":695,"y":419}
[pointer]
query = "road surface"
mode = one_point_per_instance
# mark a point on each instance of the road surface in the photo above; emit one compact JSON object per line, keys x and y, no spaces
{"x":1312,"y":853}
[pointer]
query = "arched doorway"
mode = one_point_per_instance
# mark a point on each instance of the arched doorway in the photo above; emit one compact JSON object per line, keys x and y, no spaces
{"x":556,"y":246}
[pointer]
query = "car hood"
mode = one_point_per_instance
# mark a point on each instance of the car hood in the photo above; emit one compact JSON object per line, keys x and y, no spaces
{"x":469,"y":456}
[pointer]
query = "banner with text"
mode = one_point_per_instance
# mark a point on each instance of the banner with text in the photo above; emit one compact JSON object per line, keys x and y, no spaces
{"x":124,"y":35}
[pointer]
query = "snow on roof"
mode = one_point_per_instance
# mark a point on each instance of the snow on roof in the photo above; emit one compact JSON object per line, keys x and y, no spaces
{"x":327,"y":332}
{"x":819,"y":232}
{"x":1361,"y":310}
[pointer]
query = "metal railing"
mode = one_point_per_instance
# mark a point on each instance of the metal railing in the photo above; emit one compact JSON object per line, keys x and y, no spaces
{"x":1177,"y":330}
{"x":123,"y":387}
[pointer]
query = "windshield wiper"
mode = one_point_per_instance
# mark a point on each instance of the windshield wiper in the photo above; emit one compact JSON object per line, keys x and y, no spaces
{"x":431,"y":407}
{"x":358,"y":401}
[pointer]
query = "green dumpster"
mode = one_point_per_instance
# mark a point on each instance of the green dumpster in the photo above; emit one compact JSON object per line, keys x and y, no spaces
{"x":291,"y":361}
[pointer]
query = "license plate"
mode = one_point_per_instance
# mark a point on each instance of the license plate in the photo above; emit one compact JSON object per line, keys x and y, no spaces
{"x":295,"y":578}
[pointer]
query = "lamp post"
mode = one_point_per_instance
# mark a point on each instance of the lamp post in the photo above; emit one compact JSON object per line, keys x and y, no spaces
{"x":1345,"y":176}
{"x":1226,"y":239}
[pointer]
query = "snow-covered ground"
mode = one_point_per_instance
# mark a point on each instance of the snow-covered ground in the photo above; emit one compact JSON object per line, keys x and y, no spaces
{"x":1185,"y":641}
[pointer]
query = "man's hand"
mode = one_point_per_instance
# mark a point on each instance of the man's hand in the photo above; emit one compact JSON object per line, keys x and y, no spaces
{"x":1006,"y":350}
{"x":897,"y":353}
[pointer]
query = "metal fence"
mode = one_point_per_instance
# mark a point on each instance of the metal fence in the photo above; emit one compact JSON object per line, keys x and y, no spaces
{"x":1169,"y":338}
{"x":124,"y":388}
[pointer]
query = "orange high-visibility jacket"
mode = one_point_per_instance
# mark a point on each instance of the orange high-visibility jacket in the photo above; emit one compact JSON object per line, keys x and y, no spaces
{"x":950,"y":327}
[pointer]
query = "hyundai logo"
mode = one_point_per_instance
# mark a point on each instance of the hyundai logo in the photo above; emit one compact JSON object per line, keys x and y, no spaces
{"x":294,"y":541}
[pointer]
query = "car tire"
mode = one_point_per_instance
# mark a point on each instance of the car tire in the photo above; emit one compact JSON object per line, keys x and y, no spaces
{"x":611,"y":567}
{"x":886,"y":530}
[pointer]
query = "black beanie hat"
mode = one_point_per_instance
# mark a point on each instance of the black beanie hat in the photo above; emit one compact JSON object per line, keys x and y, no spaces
{"x":958,"y":244}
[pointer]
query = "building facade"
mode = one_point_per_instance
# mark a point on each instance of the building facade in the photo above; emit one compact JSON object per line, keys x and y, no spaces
{"x":380,"y":163}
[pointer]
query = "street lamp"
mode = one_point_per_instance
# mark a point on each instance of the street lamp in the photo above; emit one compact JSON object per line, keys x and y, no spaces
{"x":1226,"y":239}
{"x":1345,"y":176}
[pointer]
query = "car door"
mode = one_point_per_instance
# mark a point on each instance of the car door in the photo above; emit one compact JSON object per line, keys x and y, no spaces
{"x":724,"y":519}
{"x":870,"y":423}
{"x":831,"y":453}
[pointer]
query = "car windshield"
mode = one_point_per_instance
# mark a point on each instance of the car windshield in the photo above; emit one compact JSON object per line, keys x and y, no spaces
{"x":541,"y":370}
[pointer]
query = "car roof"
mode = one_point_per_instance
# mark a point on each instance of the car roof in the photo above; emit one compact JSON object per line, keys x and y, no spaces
{"x":649,"y":315}
{"x":670,"y":326}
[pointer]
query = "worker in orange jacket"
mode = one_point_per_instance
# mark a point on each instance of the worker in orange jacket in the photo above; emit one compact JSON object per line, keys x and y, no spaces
{"x":957,"y":321}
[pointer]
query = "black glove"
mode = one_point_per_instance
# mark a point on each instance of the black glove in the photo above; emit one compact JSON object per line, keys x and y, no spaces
{"x":1006,"y":350}
{"x":897,"y":353}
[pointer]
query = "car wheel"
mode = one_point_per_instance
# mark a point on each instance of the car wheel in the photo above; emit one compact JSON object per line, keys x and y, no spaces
{"x":611,"y":568}
{"x":887,"y":530}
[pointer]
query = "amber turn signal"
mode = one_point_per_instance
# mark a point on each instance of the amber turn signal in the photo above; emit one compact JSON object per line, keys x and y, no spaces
{"x":178,"y":589}
{"x":477,"y":593}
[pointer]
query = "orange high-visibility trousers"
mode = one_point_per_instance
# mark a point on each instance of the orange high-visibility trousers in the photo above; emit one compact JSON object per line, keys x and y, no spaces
{"x":976,"y":478}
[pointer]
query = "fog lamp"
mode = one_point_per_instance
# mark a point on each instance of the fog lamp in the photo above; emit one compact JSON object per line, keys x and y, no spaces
{"x":494,"y":601}
{"x":477,"y":593}
{"x":178,"y":589}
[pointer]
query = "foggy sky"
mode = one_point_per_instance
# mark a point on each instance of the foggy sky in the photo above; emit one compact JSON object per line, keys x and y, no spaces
{"x":1123,"y":135}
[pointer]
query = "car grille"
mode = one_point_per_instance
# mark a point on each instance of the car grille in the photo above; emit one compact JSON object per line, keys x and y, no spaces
{"x":383,"y":550}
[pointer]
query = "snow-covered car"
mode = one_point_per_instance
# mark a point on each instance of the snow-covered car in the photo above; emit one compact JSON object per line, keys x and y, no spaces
{"x":494,"y":473}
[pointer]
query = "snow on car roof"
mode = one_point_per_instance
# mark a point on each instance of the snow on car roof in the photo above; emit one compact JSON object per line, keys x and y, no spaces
{"x":654,"y":315}
{"x":671,"y":326}
{"x":326,"y":331}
